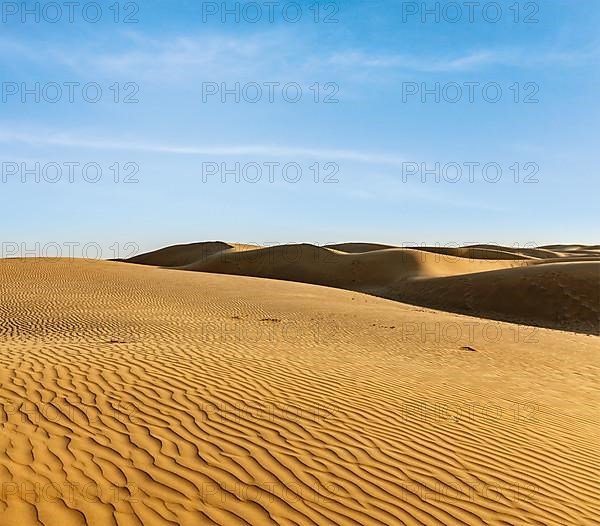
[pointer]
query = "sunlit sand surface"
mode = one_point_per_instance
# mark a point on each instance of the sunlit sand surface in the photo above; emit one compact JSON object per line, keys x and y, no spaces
{"x":139,"y":395}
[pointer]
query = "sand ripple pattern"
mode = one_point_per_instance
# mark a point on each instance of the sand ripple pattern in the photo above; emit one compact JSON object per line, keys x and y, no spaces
{"x":141,"y":396}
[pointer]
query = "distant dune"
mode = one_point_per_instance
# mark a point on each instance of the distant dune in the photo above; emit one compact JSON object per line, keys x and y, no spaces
{"x":556,"y":286}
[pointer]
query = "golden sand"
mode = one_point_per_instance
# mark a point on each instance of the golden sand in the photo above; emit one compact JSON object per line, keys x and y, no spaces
{"x":555,"y":287}
{"x":136,"y":395}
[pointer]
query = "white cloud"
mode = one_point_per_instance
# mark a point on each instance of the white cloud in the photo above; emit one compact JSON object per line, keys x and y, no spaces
{"x":271,"y":54}
{"x":355,"y":59}
{"x":167,"y":59}
{"x":358,"y":59}
{"x":388,"y":187}
{"x":65,"y":139}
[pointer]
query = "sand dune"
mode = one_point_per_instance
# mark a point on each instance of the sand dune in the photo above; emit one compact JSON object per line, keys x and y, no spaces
{"x":180,"y":255}
{"x":503,"y":283}
{"x":355,"y":248}
{"x":591,"y":249}
{"x":134,"y":395}
{"x":560,"y":295}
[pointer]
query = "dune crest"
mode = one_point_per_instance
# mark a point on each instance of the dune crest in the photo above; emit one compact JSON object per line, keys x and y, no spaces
{"x":555,"y":287}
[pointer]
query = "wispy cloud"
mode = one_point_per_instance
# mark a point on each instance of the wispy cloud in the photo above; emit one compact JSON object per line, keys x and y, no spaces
{"x":271,"y":53}
{"x":71,"y":140}
{"x":465,"y":62}
{"x":361,"y":59}
{"x":184,"y":55}
{"x":387,"y":187}
{"x":168,"y":59}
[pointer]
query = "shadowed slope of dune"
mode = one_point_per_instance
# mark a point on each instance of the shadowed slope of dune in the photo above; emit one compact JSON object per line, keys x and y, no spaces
{"x":560,"y":295}
{"x":138,"y":396}
{"x":364,"y":271}
{"x":539,"y":253}
{"x":179,"y":255}
{"x":355,"y":248}
{"x":478,"y":253}
{"x":486,"y":280}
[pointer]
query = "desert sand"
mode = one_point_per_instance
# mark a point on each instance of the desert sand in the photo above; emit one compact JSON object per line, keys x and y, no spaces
{"x":554,"y":287}
{"x":140,"y":395}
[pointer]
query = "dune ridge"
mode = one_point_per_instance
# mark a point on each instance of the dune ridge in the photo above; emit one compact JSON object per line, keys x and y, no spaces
{"x":135,"y":395}
{"x":555,"y":286}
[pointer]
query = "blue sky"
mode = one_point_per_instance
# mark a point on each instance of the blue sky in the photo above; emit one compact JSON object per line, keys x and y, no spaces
{"x":377,"y":137}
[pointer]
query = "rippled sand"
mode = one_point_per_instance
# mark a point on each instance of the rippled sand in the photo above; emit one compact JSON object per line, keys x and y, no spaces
{"x":137,"y":395}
